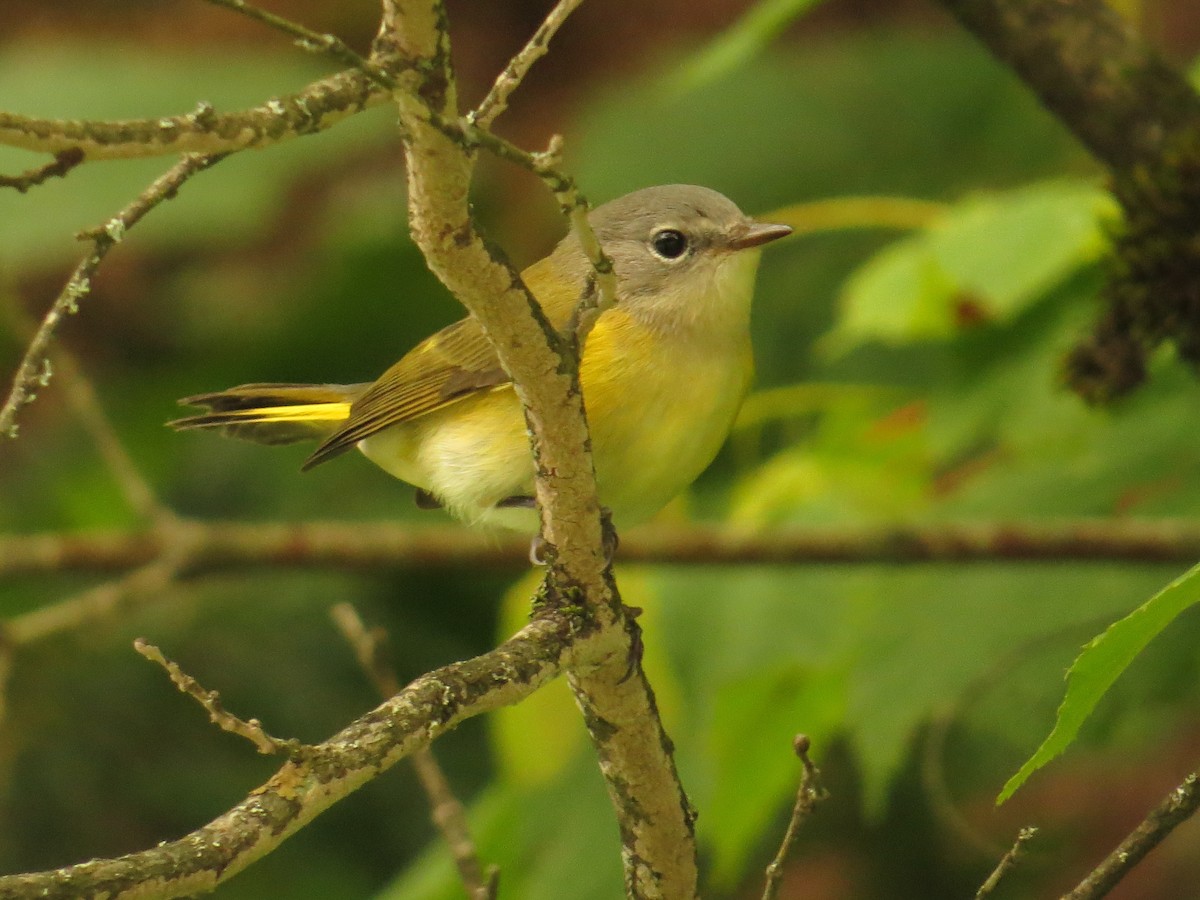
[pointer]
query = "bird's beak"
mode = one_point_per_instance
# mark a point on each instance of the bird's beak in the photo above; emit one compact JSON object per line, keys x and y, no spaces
{"x":755,"y":234}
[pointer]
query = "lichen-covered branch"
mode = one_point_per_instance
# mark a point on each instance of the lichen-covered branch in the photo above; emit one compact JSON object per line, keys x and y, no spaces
{"x":447,"y":811}
{"x":35,"y":370}
{"x":658,"y":844}
{"x":518,"y":67}
{"x":325,"y":773}
{"x":1089,"y":66}
{"x":318,"y":106}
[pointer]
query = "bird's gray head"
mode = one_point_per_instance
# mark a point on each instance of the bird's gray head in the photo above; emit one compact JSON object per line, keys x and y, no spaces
{"x":683,"y":254}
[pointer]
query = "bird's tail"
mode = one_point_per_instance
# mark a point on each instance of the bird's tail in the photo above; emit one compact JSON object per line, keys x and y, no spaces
{"x":273,"y":413}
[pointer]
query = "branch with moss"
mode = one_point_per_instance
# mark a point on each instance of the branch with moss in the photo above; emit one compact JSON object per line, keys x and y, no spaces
{"x":35,"y":370}
{"x":323,"y":774}
{"x":654,"y":816}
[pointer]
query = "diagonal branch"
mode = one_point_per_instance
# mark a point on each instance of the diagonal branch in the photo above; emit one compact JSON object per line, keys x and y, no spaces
{"x":315,"y":108}
{"x":1175,"y":809}
{"x":303,"y":788}
{"x":518,"y":67}
{"x":35,"y":370}
{"x":1088,"y":65}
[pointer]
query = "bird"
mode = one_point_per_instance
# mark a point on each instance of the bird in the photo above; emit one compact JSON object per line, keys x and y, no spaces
{"x":663,"y":373}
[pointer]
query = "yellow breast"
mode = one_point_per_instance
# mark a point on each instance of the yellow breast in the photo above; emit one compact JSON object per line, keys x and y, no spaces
{"x":658,"y":410}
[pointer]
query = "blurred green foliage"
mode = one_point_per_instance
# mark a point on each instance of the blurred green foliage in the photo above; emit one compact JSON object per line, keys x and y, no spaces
{"x":904,"y":377}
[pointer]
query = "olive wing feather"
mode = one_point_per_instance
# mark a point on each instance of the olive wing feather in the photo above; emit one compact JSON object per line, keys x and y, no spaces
{"x":451,"y":364}
{"x":456,"y":362}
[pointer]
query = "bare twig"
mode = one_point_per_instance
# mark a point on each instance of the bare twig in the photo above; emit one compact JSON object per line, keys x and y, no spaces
{"x":315,"y":108}
{"x":1007,"y":861}
{"x":810,"y":793}
{"x":430,"y":706}
{"x":34,"y":371}
{"x":64,"y":162}
{"x":251,"y":730}
{"x":448,"y":813}
{"x":368,"y":646}
{"x":1177,"y":807}
{"x":87,"y":406}
{"x":97,"y":603}
{"x":313,"y":41}
{"x":518,"y":67}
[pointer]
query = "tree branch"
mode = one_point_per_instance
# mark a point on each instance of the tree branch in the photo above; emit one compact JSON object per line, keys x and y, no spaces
{"x":654,"y":817}
{"x":448,"y":813}
{"x":251,"y":730}
{"x":808,"y":795}
{"x":64,"y":161}
{"x":1177,"y":807}
{"x":518,"y":67}
{"x":1007,"y":861}
{"x":35,"y":370}
{"x":367,"y":546}
{"x":430,"y":706}
{"x":1089,"y":66}
{"x":316,"y":107}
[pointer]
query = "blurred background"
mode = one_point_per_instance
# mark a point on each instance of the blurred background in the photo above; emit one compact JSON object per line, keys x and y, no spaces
{"x":906,"y":374}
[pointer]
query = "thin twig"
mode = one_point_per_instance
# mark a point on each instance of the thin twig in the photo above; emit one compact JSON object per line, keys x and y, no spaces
{"x":600,"y":295}
{"x":1007,"y":861}
{"x":34,"y":371}
{"x":251,"y":730}
{"x":810,"y":793}
{"x":448,"y":813}
{"x":518,"y":67}
{"x":97,"y":603}
{"x":313,"y":41}
{"x":302,"y":788}
{"x":64,"y":161}
{"x":316,"y":107}
{"x":1177,"y":807}
{"x":82,"y":397}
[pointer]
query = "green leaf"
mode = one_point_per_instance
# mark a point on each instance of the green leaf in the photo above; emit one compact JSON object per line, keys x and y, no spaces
{"x":901,"y":294}
{"x":1102,"y":662}
{"x":987,"y":260}
{"x":742,"y":41}
{"x":1006,"y":251}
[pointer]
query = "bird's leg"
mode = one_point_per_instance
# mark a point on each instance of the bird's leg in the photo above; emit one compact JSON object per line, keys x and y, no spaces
{"x":426,"y":500}
{"x":636,"y":645}
{"x":537,"y":547}
{"x":608,"y":535}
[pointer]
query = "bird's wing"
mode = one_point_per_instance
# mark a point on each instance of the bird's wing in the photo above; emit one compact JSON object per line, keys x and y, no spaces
{"x":455,"y":363}
{"x":451,"y":364}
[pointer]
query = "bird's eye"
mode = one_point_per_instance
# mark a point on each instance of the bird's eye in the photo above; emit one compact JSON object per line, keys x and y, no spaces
{"x":669,"y":243}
